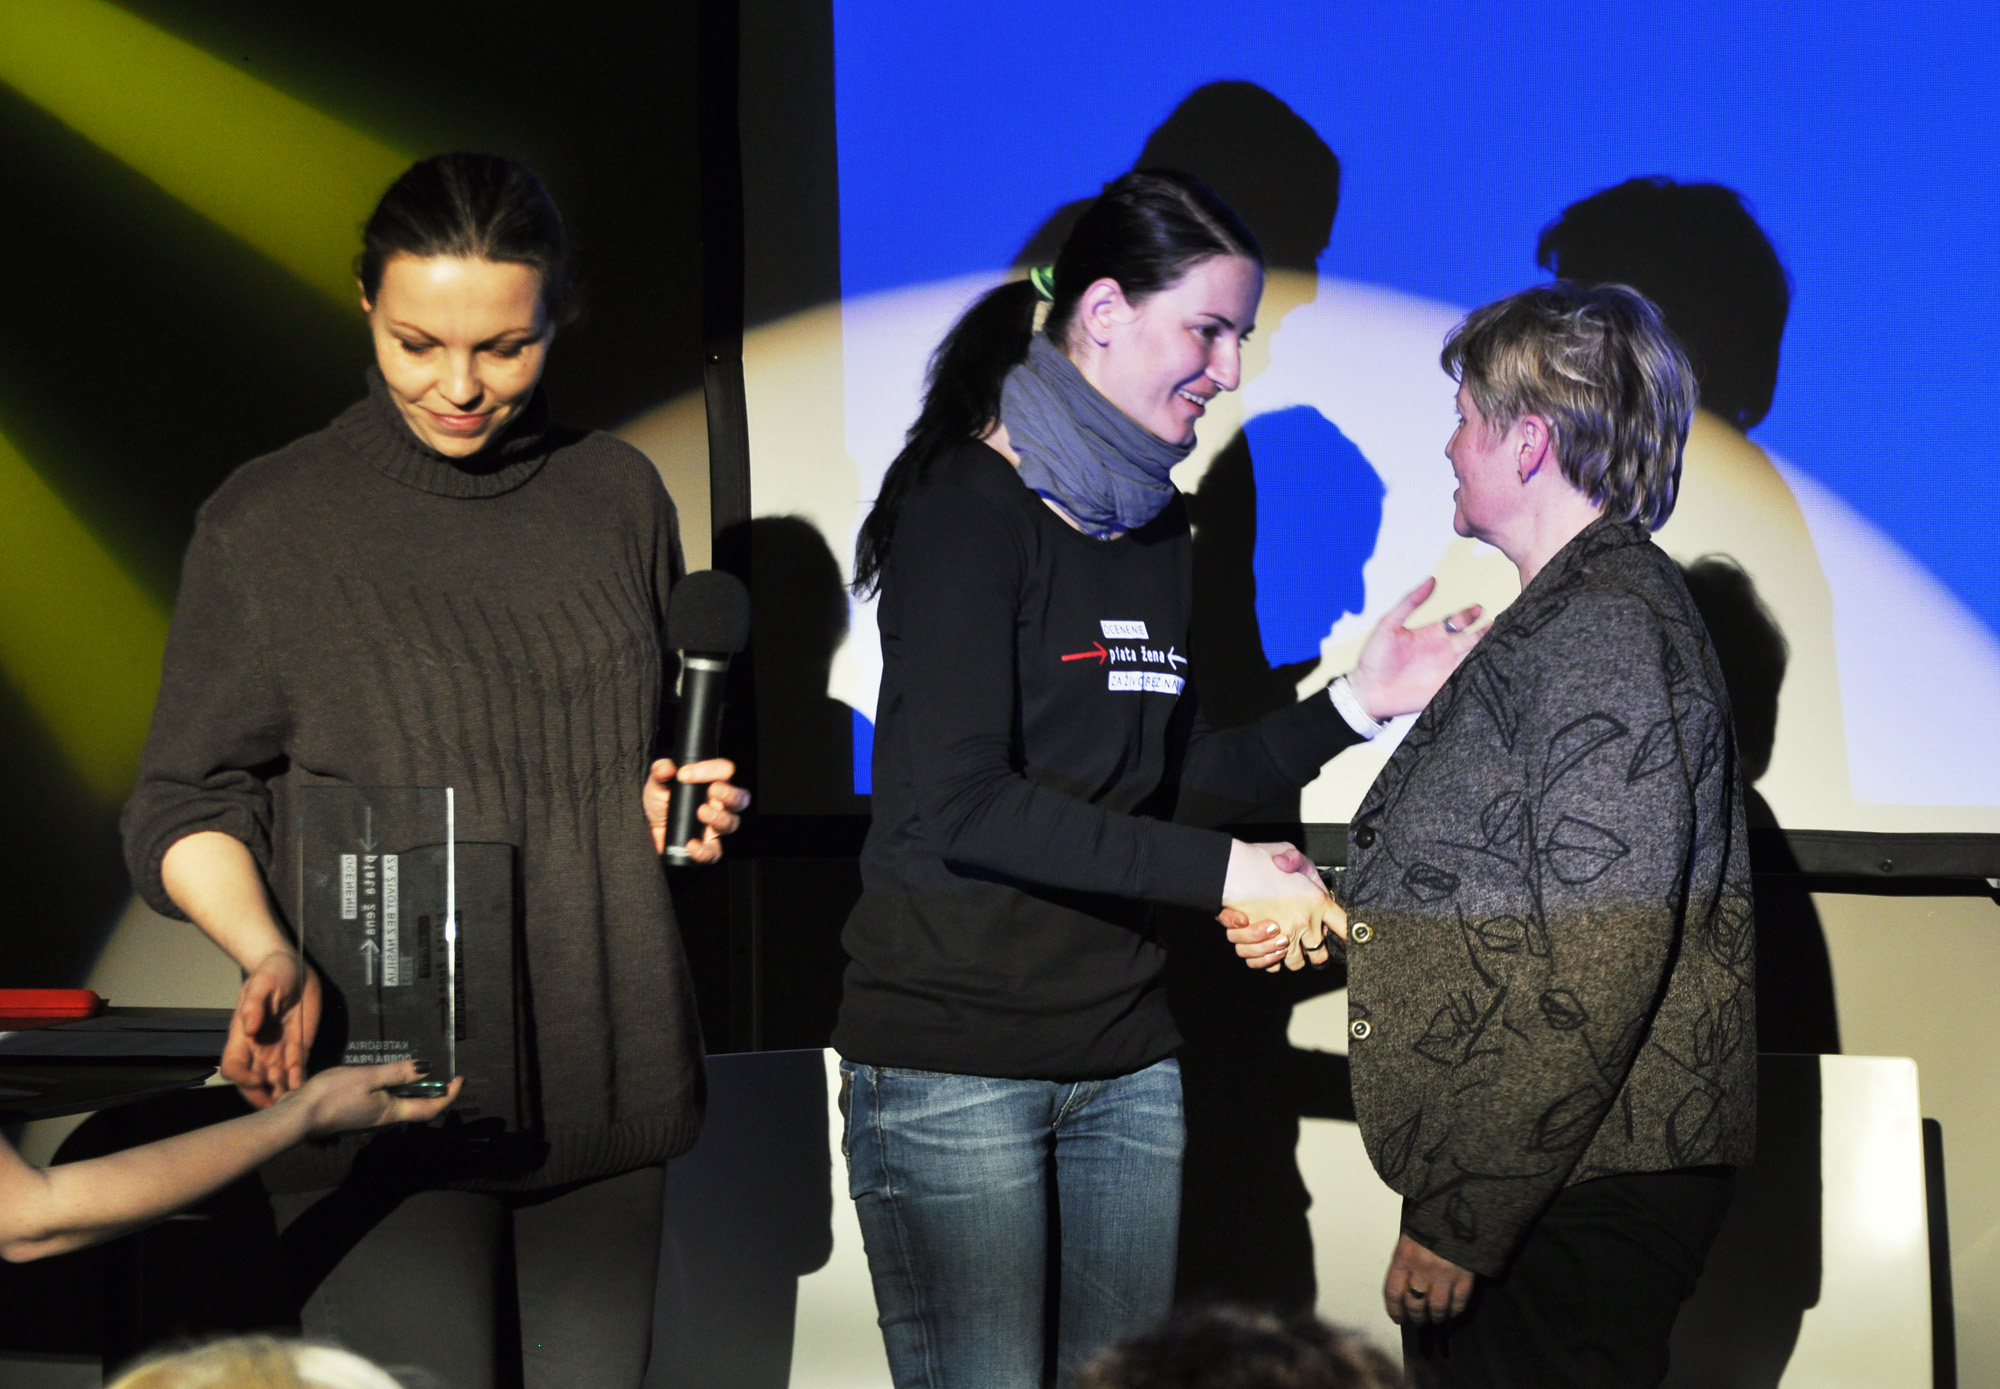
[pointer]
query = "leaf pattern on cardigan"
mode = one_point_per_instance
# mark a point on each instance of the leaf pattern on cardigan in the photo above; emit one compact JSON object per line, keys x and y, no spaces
{"x":1560,"y":975}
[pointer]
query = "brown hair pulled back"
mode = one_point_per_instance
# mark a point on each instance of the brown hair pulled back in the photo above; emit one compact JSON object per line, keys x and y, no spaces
{"x":476,"y":206}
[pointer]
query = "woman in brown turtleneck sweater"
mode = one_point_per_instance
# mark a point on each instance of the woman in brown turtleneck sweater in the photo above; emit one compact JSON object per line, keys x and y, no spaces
{"x":445,"y":588}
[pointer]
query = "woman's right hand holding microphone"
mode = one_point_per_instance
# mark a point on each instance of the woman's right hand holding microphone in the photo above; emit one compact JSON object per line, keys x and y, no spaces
{"x":1276,"y":910}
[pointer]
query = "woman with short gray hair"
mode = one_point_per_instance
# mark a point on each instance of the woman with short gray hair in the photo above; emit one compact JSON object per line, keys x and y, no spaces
{"x":1550,"y":952}
{"x":1599,"y":367}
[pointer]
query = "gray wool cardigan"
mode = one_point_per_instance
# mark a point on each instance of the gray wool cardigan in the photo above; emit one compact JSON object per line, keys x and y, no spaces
{"x":1551,"y":954}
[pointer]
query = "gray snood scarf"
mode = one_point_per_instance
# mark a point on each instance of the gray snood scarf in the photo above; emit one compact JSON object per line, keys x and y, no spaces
{"x":1080,"y":450}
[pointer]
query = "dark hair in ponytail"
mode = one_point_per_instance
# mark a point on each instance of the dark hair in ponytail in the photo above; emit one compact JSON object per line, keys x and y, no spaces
{"x":1145,"y":231}
{"x":477,"y":206}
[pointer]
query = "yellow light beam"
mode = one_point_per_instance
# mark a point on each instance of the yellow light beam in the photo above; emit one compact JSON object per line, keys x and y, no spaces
{"x":78,"y":636}
{"x":263,"y":166}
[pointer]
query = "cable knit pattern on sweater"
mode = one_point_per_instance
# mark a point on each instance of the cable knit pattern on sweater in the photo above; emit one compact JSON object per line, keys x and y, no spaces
{"x":357,"y":609}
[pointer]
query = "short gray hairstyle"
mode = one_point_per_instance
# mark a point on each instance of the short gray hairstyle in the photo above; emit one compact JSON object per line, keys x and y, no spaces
{"x":1601,"y":367}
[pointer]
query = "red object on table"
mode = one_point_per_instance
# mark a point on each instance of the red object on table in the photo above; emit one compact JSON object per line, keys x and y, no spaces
{"x":21,"y":1008}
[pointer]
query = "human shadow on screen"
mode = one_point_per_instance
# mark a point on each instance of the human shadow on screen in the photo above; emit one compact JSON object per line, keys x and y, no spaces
{"x":748,"y":1213}
{"x":799,"y":616}
{"x":1764,"y":1274}
{"x":1695,"y":250}
{"x":1259,"y":155}
{"x":1739,"y":1329}
{"x":1795,"y":1002}
{"x":1244,"y":1234}
{"x":1285,"y":520}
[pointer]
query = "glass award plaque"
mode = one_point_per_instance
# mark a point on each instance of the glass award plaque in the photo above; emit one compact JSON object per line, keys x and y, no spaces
{"x":379,"y":916}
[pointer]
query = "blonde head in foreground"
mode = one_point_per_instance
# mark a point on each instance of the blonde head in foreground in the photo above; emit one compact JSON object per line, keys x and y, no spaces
{"x":258,"y":1362}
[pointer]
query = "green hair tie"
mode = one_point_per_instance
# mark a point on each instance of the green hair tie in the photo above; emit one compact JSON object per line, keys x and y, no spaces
{"x":1043,"y":278}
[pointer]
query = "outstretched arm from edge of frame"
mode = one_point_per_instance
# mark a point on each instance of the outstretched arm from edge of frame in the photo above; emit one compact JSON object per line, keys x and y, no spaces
{"x":54,"y":1210}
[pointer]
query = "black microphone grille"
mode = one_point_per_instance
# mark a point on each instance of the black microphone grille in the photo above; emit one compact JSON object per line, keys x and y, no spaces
{"x":709,"y":611}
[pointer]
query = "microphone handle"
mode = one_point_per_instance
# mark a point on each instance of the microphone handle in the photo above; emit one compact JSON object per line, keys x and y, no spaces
{"x":697,"y":734}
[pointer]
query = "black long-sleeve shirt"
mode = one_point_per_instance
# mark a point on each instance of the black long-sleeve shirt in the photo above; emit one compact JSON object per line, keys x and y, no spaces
{"x":1035,"y":725}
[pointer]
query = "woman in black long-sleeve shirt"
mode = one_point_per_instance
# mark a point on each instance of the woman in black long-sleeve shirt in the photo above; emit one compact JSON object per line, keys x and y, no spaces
{"x":1006,"y":1041}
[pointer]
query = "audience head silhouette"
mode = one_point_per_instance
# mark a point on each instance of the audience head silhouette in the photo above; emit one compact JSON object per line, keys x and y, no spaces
{"x":1696,"y":252}
{"x":1228,"y":1347}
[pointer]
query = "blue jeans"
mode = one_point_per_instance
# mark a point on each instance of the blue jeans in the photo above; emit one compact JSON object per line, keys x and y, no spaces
{"x":960,"y":1181}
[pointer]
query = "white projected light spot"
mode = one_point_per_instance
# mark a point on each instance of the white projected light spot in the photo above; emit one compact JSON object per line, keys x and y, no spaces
{"x":1887,"y":672}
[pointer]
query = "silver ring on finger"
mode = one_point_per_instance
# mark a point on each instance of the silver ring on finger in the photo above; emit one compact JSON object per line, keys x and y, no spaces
{"x":1450,"y":627}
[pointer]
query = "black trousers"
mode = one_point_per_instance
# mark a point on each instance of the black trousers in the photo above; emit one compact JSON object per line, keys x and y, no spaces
{"x":1591,"y":1298}
{"x":426,"y":1283}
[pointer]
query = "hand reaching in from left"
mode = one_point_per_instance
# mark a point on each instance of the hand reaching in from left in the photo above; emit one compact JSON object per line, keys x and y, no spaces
{"x":720,"y":814}
{"x":1400,"y":668}
{"x":344,"y":1098}
{"x":1273,"y":894}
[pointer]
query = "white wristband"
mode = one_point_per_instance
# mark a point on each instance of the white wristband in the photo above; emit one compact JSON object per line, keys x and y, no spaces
{"x":1358,"y":719}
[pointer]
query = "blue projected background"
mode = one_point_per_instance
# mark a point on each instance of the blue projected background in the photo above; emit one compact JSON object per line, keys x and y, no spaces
{"x":1860,"y":134}
{"x":1859,"y":508}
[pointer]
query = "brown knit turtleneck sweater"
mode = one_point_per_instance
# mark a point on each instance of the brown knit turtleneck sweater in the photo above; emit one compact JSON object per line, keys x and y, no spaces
{"x":356,"y":608}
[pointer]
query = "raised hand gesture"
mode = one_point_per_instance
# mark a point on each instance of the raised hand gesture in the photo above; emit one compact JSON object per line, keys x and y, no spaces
{"x":1401,"y":667}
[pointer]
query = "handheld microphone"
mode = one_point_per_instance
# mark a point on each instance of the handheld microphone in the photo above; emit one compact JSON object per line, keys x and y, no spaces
{"x":708,"y":621}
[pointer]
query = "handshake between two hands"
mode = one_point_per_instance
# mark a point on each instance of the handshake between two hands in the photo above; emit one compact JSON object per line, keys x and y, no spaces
{"x":1275,"y":910}
{"x":1277,"y":913}
{"x":1274,"y":907}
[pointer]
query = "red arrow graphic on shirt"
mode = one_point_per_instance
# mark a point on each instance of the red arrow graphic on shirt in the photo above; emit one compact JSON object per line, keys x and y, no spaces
{"x":1096,"y":653}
